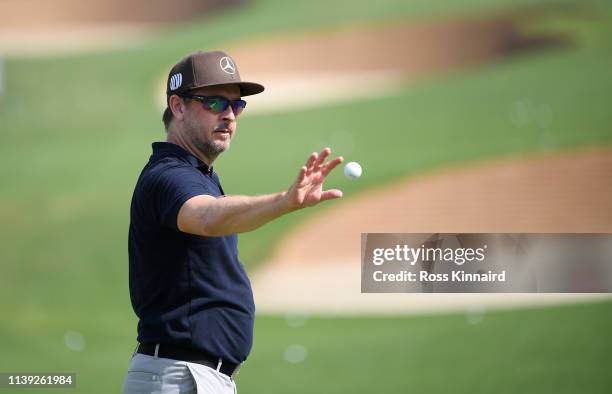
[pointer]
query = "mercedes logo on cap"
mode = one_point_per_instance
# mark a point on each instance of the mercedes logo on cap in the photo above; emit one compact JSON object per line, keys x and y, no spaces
{"x":227,"y":65}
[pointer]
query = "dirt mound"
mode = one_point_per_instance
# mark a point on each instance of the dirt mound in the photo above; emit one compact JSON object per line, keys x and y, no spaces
{"x":414,"y":48}
{"x":570,"y":192}
{"x":40,"y":14}
{"x":52,"y":27}
{"x":308,"y":69}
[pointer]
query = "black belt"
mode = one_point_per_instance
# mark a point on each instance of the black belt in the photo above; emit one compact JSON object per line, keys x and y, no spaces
{"x":167,"y":350}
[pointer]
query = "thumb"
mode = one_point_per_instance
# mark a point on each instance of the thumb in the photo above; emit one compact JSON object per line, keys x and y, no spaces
{"x":331,"y":194}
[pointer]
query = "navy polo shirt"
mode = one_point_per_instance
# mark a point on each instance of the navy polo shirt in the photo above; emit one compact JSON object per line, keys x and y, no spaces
{"x":185,"y":289}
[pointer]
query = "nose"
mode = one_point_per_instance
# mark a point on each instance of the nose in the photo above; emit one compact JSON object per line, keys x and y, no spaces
{"x":228,"y":114}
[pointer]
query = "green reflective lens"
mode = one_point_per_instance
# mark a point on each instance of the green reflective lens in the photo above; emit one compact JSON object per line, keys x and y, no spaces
{"x":216,"y":104}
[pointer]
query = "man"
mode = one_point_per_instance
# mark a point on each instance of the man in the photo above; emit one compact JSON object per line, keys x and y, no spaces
{"x":191,"y":294}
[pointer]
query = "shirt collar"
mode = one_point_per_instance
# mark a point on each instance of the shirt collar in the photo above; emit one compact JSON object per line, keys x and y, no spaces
{"x":162,"y":149}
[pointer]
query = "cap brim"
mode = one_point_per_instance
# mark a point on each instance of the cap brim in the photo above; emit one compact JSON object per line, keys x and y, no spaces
{"x":246,"y":88}
{"x":250,"y":88}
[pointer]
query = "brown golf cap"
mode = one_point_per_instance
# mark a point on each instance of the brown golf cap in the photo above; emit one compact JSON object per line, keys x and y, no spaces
{"x":202,"y":69}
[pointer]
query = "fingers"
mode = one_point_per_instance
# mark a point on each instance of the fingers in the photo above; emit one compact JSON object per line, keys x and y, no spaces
{"x":331,"y":165}
{"x":316,"y":162}
{"x":311,"y":159}
{"x":331,"y":194}
{"x":301,"y":175}
{"x":322,"y":156}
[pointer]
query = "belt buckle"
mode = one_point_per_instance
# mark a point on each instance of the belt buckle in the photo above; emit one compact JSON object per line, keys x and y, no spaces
{"x":235,"y":372}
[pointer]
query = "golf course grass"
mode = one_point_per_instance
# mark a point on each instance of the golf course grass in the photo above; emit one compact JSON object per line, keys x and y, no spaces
{"x":75,"y":132}
{"x":563,"y":349}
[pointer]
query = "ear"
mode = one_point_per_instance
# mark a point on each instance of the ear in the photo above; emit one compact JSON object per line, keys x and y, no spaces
{"x":177,"y":106}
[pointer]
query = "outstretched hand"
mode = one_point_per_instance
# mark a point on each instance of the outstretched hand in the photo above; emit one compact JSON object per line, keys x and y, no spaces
{"x":307,"y":190}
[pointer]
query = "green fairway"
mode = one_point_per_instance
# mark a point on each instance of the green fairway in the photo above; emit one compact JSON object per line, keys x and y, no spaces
{"x":553,"y":350}
{"x":75,"y":132}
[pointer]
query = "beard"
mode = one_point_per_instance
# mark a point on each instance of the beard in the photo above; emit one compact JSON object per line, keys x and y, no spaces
{"x":202,"y":143}
{"x":207,"y":147}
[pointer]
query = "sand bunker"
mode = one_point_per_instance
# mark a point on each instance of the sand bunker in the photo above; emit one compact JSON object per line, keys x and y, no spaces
{"x":303,"y":70}
{"x":570,"y":192}
{"x":52,"y":27}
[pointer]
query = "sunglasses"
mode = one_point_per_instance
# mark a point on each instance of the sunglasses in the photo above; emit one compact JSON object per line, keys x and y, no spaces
{"x":218,"y":104}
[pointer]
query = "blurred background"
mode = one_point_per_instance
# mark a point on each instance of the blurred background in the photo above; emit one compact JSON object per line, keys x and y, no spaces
{"x":467,"y":116}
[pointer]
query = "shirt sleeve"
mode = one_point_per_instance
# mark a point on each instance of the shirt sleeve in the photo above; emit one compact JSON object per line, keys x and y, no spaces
{"x":172,"y":187}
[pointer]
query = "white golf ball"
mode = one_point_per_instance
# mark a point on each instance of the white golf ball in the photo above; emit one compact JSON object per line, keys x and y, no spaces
{"x":352,"y":170}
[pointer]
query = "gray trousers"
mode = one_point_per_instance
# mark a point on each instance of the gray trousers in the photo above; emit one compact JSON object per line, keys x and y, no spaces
{"x":150,"y":374}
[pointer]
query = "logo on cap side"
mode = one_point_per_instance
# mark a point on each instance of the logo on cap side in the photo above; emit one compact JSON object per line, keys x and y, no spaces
{"x":227,"y":65}
{"x":175,"y":81}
